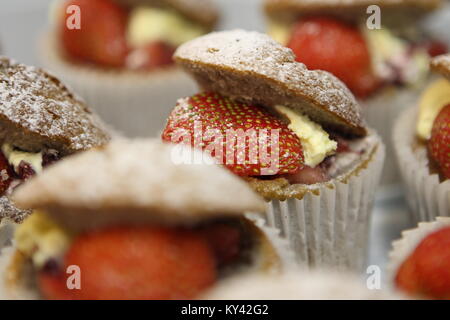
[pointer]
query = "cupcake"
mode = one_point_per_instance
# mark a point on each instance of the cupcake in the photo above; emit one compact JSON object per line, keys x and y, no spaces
{"x":295,"y":135}
{"x":317,"y":285}
{"x":41,"y":122}
{"x":120,"y":58}
{"x":420,"y":261}
{"x":384,"y":65}
{"x":137,"y":226}
{"x":421,"y":140}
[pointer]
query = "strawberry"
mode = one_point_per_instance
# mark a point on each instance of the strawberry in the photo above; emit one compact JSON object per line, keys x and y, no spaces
{"x":331,"y":45}
{"x":436,"y":48}
{"x":309,"y":175}
{"x":54,"y":287}
{"x":225,"y":241}
{"x":102,"y":37}
{"x":136,"y":263}
{"x":154,"y":55}
{"x":25,"y":171}
{"x":406,"y":278}
{"x":6,"y":174}
{"x":427,"y":271}
{"x":208,"y":121}
{"x":439,"y":143}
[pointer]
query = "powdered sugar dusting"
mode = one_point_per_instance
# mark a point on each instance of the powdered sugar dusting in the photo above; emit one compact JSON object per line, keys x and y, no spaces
{"x":36,"y":101}
{"x":256,"y":53}
{"x":144,"y":175}
{"x":10,"y":212}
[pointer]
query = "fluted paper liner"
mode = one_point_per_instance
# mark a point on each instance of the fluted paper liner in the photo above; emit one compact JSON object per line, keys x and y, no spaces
{"x":330,"y":228}
{"x":6,"y":232}
{"x":427,"y":197}
{"x":281,"y":245}
{"x":135,"y":103}
{"x":404,"y":247}
{"x":380,"y":113}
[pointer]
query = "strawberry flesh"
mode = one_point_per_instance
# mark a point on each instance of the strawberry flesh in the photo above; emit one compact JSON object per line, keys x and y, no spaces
{"x":225,"y":240}
{"x":6,"y":174}
{"x":309,"y":176}
{"x":135,"y":263}
{"x":155,"y":55}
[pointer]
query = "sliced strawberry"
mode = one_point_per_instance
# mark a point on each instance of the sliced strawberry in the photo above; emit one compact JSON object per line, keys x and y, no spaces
{"x":331,"y":45}
{"x":6,"y":174}
{"x":155,"y":55}
{"x":102,"y":37}
{"x":406,"y":278}
{"x":439,"y":143}
{"x":225,"y":241}
{"x":427,"y":271}
{"x":54,"y":287}
{"x":342,"y":144}
{"x":436,"y":48}
{"x":309,"y":176}
{"x":137,"y":263}
{"x":25,"y":171}
{"x":209,"y":121}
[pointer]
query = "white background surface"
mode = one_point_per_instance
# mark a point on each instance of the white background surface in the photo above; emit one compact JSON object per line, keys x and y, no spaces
{"x":21,"y":22}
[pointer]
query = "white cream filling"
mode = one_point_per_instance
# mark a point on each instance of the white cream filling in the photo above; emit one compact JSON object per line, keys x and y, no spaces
{"x":391,"y":57}
{"x":15,"y":157}
{"x":316,"y":142}
{"x":148,"y":24}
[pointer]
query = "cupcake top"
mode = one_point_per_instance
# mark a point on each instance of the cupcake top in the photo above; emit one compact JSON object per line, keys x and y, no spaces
{"x":37,"y":110}
{"x":140,"y":177}
{"x":420,"y":260}
{"x":317,"y":285}
{"x":42,"y":121}
{"x":314,"y":6}
{"x":253,"y":61}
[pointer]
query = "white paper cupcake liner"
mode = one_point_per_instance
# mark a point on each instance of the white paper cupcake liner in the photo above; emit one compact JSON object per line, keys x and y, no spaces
{"x":281,"y":245}
{"x":427,"y":197}
{"x":5,"y":259}
{"x":380,"y":113}
{"x":136,"y":104}
{"x":6,"y":232}
{"x":404,"y":247}
{"x":8,"y":292}
{"x":330,"y":227}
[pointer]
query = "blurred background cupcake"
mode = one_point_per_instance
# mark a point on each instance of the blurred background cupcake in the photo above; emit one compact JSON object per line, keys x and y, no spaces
{"x":117,"y":54}
{"x":422,"y":144}
{"x":383,"y":61}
